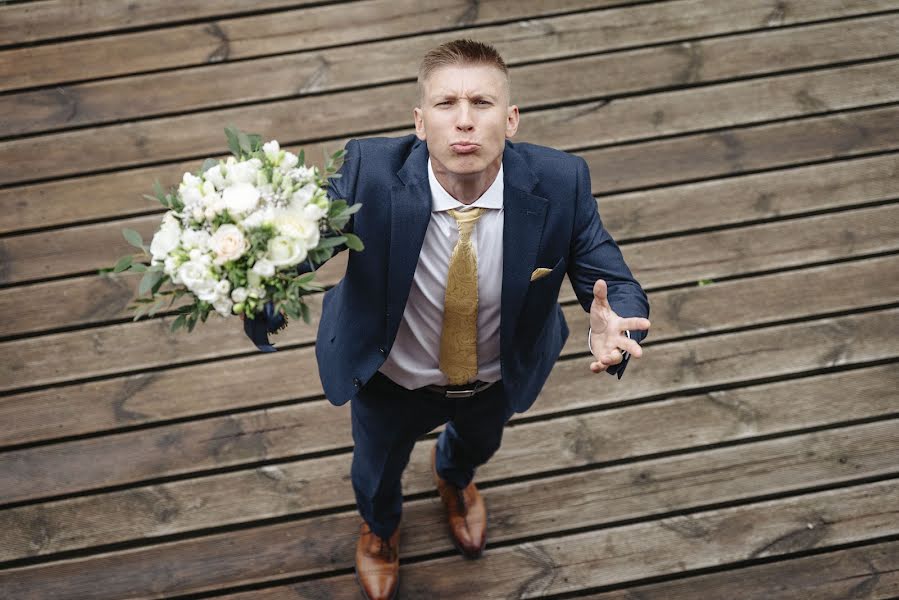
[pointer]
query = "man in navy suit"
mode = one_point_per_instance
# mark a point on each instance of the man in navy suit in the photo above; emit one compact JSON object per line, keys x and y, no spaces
{"x":379,"y":339}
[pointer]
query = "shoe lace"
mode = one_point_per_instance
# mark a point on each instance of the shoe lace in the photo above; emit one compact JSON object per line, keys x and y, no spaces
{"x":384,"y":549}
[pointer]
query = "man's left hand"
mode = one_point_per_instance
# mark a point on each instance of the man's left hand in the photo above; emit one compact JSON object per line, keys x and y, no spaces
{"x":607,"y":337}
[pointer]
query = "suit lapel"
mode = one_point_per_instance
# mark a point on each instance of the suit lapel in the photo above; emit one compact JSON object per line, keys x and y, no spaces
{"x":523,"y":220}
{"x":410,"y":213}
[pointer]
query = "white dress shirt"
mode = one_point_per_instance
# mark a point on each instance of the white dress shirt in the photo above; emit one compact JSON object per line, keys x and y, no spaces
{"x":414,"y":359}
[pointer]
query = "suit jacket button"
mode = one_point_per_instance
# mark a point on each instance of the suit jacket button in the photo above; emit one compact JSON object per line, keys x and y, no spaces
{"x":382,"y":350}
{"x":357,"y":382}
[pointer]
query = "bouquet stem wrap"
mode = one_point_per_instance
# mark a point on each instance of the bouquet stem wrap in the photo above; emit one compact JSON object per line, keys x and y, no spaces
{"x":258,"y":328}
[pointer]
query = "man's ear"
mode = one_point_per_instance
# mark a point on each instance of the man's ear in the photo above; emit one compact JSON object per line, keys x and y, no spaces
{"x":418,"y":117}
{"x":512,"y":121}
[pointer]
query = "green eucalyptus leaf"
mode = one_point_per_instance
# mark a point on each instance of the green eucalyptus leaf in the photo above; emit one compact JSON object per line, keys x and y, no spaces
{"x":139,"y":267}
{"x":233,"y":141}
{"x":353,"y":242}
{"x":208,"y":164}
{"x":179,"y":322}
{"x":331,"y":242}
{"x":122,"y":264}
{"x":133,"y":238}
{"x":148,"y":281}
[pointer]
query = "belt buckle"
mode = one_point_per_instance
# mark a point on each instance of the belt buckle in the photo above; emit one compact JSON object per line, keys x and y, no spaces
{"x":461,"y":393}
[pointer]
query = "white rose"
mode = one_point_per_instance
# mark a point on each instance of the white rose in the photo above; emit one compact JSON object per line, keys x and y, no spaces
{"x":209,"y":212}
{"x":166,"y":239}
{"x":264,"y":267}
{"x":223,"y":306}
{"x":286,"y":251}
{"x":240,"y":198}
{"x":239,"y":294}
{"x":228,"y":243}
{"x":258,"y":218}
{"x":196,"y":276}
{"x":198,"y":213}
{"x":293,"y":223}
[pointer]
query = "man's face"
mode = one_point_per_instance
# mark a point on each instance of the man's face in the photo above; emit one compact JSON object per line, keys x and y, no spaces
{"x":465,"y":118}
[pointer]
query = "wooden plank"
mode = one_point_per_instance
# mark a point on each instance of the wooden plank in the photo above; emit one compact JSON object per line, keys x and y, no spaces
{"x":280,"y":432}
{"x":333,"y":69}
{"x":728,"y":253}
{"x":377,"y":109}
{"x":92,"y":299}
{"x":194,"y":390}
{"x":246,"y":37}
{"x":60,"y":202}
{"x":871,"y":571}
{"x":731,"y":152}
{"x":709,"y":256}
{"x":701,"y":156}
{"x":643,"y":489}
{"x":39,"y":21}
{"x":614,"y":556}
{"x":304,"y":486}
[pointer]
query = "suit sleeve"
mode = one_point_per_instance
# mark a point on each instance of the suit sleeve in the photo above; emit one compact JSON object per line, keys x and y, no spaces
{"x":342,"y":188}
{"x":595,"y":255}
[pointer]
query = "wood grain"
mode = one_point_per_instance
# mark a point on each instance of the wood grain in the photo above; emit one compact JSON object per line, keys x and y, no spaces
{"x":386,"y":107}
{"x":190,"y":391}
{"x":279,"y":433}
{"x":333,"y":69}
{"x":245,"y":37}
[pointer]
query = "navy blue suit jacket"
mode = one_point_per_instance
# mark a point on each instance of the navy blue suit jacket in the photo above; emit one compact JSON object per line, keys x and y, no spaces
{"x":550,"y":220}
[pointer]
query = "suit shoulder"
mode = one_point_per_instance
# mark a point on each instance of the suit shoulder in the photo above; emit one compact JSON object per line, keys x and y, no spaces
{"x":551,"y":166}
{"x":383,"y":154}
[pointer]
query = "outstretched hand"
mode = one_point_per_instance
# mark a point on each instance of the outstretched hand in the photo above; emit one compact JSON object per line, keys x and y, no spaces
{"x":607,"y":337}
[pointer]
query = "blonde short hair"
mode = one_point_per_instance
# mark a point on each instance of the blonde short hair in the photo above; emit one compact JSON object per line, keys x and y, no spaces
{"x":460,"y":52}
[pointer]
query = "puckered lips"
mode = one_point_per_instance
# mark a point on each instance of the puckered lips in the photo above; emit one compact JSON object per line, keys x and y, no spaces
{"x":465,"y":147}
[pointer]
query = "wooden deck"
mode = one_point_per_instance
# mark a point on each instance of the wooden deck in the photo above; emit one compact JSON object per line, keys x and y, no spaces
{"x":744,"y":153}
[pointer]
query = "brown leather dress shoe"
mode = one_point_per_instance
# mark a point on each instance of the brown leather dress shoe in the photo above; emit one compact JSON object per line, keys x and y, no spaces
{"x":378,"y":564}
{"x":466,"y":514}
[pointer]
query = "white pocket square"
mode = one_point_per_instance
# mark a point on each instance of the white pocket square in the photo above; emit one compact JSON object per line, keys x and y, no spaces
{"x":541,"y":272}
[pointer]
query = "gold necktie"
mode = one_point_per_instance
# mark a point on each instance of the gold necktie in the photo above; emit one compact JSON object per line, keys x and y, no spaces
{"x":459,"y":340}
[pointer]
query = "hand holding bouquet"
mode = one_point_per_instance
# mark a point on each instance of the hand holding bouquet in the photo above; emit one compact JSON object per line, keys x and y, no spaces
{"x":238,"y":236}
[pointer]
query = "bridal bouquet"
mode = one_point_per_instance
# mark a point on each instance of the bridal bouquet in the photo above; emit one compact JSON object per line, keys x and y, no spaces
{"x":235,"y":236}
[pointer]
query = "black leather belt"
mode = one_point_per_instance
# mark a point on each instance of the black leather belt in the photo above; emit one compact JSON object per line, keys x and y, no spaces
{"x":460,"y":391}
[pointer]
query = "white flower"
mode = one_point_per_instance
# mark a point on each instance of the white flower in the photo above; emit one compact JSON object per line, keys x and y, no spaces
{"x":214,"y":175}
{"x":209,"y":212}
{"x":223,"y":287}
{"x":195,"y":238}
{"x":302,"y":196}
{"x":264,"y":267}
{"x":258,"y":217}
{"x":223,"y":306}
{"x":286,"y":251}
{"x":167,"y":238}
{"x":243,"y":172}
{"x":198,"y":213}
{"x":289,"y":161}
{"x":294,"y":224}
{"x":228,"y":243}
{"x":170,"y":268}
{"x":272,"y":151}
{"x":197,"y":277}
{"x":240,"y":198}
{"x":314,"y":212}
{"x":239,"y":294}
